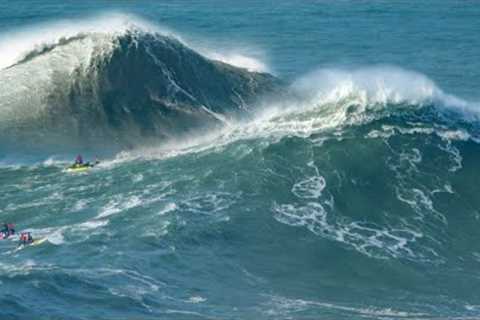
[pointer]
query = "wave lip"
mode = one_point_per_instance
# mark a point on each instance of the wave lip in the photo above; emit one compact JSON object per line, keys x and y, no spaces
{"x":371,"y":85}
{"x":379,"y":89}
{"x":17,"y":45}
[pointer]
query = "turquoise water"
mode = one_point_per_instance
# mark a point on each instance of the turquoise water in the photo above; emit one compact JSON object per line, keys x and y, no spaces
{"x":259,"y":160}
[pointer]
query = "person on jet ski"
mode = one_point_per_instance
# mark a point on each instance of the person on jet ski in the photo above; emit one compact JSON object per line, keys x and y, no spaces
{"x":7,"y":230}
{"x":79,"y":160}
{"x":80,"y":164}
{"x":26,"y":238}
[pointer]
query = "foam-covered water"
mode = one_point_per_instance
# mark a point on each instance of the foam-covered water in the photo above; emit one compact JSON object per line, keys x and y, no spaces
{"x":345,"y":190}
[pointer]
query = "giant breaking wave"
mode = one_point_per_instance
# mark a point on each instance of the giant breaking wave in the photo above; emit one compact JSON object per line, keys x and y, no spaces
{"x":125,"y":85}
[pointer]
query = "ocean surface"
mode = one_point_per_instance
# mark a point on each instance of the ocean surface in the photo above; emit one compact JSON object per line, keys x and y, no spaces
{"x":258,"y":159}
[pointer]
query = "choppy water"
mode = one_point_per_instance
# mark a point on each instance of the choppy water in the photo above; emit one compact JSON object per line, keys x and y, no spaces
{"x":341,"y":186}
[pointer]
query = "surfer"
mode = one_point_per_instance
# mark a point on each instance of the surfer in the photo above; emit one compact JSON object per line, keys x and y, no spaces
{"x":26,"y":238}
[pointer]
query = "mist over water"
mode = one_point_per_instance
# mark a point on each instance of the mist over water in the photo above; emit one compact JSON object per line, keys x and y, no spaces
{"x":230,"y":187}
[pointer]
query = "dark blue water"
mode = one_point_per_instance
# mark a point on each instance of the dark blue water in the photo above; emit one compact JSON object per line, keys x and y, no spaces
{"x":259,"y":160}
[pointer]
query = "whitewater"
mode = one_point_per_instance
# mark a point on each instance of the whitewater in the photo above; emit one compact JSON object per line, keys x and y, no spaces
{"x":247,"y":170}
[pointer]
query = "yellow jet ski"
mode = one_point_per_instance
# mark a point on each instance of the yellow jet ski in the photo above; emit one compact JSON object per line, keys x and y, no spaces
{"x":79,"y":168}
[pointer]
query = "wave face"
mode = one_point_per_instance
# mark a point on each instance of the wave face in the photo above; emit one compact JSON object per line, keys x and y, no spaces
{"x":128,"y":88}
